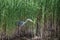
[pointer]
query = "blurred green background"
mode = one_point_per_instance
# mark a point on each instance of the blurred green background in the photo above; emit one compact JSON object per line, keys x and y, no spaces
{"x":13,"y":10}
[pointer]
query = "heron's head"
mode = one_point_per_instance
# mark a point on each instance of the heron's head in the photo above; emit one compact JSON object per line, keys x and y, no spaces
{"x":30,"y":20}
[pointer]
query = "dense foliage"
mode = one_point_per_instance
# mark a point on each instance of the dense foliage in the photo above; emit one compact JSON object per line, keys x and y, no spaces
{"x":14,"y":10}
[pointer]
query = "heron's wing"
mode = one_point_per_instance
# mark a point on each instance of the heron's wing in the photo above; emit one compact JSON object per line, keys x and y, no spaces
{"x":19,"y":23}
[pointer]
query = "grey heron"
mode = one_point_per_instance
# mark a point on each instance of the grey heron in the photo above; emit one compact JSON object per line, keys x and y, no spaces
{"x":22,"y":31}
{"x":22,"y":23}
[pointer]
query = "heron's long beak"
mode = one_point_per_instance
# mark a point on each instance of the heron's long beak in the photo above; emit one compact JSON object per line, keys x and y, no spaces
{"x":33,"y":22}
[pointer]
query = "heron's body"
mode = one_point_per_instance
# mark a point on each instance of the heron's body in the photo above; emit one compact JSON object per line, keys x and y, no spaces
{"x":22,"y":29}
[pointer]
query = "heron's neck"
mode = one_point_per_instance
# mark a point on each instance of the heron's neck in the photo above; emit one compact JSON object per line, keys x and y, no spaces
{"x":25,"y":22}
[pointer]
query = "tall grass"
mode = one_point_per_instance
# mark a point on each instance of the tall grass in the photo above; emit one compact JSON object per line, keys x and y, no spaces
{"x":14,"y":10}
